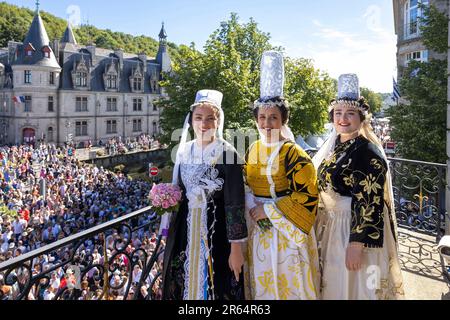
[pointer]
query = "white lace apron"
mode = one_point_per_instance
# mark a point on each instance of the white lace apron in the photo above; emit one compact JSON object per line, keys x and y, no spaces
{"x":380,"y":276}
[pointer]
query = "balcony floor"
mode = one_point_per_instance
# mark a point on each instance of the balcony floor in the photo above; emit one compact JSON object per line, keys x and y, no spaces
{"x":421,"y":266}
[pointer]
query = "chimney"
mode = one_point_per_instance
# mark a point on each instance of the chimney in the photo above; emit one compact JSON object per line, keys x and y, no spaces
{"x":143,"y":57}
{"x":91,"y":48}
{"x":119,"y":53}
{"x":12,"y":51}
{"x":55,"y":47}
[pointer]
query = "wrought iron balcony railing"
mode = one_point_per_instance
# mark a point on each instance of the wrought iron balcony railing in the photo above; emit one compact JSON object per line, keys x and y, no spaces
{"x":419,"y":196}
{"x":113,"y":277}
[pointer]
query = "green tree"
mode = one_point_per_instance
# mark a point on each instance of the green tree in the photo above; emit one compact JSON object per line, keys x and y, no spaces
{"x":419,"y":125}
{"x":309,"y":92}
{"x":230,"y":63}
{"x":374,"y":99}
{"x":434,"y":27}
{"x":15,"y":23}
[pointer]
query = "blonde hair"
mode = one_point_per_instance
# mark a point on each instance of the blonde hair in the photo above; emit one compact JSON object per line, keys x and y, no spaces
{"x":368,"y":133}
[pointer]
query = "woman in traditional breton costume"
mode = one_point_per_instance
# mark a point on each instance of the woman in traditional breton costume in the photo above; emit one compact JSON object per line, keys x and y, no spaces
{"x":356,"y":226}
{"x":203,"y":258}
{"x":281,"y":201}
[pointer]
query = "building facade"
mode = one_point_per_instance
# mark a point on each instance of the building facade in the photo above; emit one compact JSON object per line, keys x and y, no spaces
{"x":61,"y":91}
{"x":407,"y":14}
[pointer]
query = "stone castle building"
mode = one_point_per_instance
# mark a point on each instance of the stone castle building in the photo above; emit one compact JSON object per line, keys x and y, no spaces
{"x":61,"y":91}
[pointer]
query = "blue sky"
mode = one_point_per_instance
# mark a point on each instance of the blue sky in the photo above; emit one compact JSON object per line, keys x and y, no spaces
{"x":340,"y":36}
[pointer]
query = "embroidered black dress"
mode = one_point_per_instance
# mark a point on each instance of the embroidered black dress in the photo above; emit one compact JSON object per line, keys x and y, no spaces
{"x":357,"y":169}
{"x":352,"y":208}
{"x":225,"y":221}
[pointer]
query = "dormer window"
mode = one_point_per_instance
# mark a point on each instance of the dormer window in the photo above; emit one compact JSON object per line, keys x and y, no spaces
{"x":81,"y":79}
{"x":111,"y":78}
{"x":137,"y":84}
{"x":81,"y":76}
{"x":137,"y":80}
{"x":46,"y":51}
{"x":29,"y":50}
{"x":111,"y":81}
{"x":154,"y":82}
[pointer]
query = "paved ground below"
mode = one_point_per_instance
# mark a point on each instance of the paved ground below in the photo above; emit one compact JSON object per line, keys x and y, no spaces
{"x":421,"y":266}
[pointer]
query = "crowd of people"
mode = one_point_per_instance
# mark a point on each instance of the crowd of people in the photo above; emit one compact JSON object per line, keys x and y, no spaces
{"x":118,"y":145}
{"x":320,"y":224}
{"x":382,"y":129}
{"x":46,"y":194}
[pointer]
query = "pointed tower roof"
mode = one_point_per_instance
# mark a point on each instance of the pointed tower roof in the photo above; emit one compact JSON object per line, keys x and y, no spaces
{"x":162,"y":33}
{"x":162,"y":57}
{"x":37,"y":35}
{"x":37,"y":40}
{"x":69,"y":36}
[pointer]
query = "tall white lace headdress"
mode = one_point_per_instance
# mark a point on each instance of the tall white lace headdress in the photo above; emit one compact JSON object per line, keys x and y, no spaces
{"x":349,"y":93}
{"x":272,"y":86}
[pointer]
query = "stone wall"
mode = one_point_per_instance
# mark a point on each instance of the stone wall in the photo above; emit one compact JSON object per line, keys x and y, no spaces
{"x":157,"y":157}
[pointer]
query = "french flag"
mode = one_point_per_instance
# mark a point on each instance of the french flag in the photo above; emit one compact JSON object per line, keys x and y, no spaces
{"x":19,"y":99}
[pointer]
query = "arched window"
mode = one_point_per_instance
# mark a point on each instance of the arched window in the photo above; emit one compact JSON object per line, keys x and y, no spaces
{"x":50,"y":134}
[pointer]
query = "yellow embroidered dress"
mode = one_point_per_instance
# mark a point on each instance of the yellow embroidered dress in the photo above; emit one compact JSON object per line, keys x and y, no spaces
{"x":283,"y":261}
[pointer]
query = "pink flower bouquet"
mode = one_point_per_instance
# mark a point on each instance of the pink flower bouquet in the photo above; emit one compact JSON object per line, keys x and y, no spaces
{"x":165,"y":197}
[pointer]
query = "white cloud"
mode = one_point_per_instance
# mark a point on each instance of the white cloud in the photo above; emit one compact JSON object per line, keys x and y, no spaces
{"x":317,"y":23}
{"x":369,"y":51}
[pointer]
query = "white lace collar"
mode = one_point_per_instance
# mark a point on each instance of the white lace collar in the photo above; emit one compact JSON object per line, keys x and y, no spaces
{"x":197,"y":154}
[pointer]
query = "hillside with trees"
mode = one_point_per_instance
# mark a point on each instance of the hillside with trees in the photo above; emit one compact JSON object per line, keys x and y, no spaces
{"x":15,"y":22}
